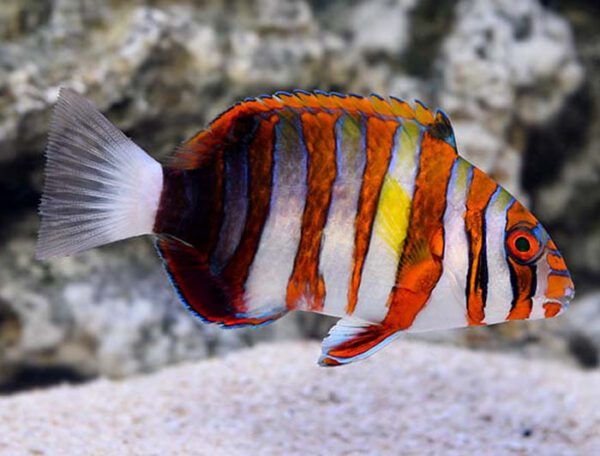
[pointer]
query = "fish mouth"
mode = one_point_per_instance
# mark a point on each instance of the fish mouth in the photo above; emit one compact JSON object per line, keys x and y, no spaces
{"x":569,"y":293}
{"x":564,"y":305}
{"x":563,"y":302}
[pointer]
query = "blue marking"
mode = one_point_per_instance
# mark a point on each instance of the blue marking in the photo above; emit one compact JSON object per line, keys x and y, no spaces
{"x":363,"y":134}
{"x":453,"y":177}
{"x":559,"y":273}
{"x":302,"y":91}
{"x":396,"y":145}
{"x":506,"y":252}
{"x":540,"y":234}
{"x":302,"y":142}
{"x":337,"y":94}
{"x":276,"y":164}
{"x":269,"y":317}
{"x":260,"y":316}
{"x":511,"y":203}
{"x":355,"y":95}
{"x":321,"y":92}
{"x":494,"y":196}
{"x":417,"y":159}
{"x":398,"y":99}
{"x":376,"y":95}
{"x":443,"y":113}
{"x":283,"y":93}
{"x":339,"y":125}
{"x":423,"y":105}
{"x":470,"y":178}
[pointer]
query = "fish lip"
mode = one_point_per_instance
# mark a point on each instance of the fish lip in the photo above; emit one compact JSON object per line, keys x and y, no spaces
{"x":565,"y":302}
{"x":569,"y":294}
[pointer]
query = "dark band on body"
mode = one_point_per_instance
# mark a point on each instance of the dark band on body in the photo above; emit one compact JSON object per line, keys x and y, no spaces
{"x":260,"y":180}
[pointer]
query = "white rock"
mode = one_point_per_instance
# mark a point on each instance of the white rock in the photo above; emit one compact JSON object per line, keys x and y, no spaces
{"x":382,"y":25}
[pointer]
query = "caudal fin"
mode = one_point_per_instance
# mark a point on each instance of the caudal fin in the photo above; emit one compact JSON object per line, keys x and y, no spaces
{"x":99,"y":186}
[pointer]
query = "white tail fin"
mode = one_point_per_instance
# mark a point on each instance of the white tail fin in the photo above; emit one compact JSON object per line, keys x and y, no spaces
{"x":99,"y":186}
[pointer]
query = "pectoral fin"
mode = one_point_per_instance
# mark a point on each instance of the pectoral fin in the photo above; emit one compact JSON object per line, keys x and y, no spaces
{"x":352,"y":339}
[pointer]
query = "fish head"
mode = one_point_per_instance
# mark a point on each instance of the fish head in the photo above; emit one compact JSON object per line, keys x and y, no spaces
{"x":536,"y":267}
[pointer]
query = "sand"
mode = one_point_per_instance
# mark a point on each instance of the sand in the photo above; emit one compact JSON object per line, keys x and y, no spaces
{"x":411,"y":398}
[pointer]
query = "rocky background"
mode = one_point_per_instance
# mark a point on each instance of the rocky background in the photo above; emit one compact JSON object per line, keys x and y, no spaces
{"x":520,"y":80}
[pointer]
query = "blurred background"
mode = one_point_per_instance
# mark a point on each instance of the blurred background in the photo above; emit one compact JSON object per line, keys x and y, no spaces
{"x":520,"y":81}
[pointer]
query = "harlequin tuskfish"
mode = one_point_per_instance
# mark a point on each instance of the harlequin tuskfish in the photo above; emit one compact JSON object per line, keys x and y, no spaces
{"x":356,"y":207}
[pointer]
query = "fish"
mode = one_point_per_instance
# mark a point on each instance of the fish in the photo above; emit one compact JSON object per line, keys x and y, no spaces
{"x":358,"y":207}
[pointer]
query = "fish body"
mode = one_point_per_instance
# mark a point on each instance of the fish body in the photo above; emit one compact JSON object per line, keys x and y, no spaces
{"x":355,"y":207}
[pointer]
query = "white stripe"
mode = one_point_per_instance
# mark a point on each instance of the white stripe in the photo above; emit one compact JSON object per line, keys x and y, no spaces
{"x":273,"y":264}
{"x":403,"y":167}
{"x":338,"y":236}
{"x":446,"y":307}
{"x":381,"y":263}
{"x":499,"y":294}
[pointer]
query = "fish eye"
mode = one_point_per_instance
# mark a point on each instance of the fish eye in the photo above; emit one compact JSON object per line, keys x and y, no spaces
{"x":523,"y":245}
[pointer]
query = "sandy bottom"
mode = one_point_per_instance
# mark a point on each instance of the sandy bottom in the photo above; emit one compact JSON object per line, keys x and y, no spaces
{"x":411,"y":398}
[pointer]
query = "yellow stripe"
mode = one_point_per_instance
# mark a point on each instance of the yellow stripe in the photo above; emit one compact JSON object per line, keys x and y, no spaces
{"x":501,"y":202}
{"x":393,"y":214}
{"x":462,"y":174}
{"x":393,"y":210}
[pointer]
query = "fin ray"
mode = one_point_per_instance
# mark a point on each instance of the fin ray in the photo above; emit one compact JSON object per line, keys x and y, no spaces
{"x":195,"y":151}
{"x":99,"y":186}
{"x":352,"y":339}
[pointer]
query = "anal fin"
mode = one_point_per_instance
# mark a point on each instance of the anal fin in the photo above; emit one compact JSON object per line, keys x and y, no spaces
{"x":352,"y":339}
{"x":204,"y":293}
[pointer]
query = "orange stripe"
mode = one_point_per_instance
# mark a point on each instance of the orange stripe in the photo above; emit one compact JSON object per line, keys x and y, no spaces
{"x":557,"y":285}
{"x":319,"y":138}
{"x":380,"y":139}
{"x":556,"y":262}
{"x":551,"y":309}
{"x":480,"y":192}
{"x":523,"y":276}
{"x":522,"y":303}
{"x":366,"y":340}
{"x":260,"y":164}
{"x":421,"y":263}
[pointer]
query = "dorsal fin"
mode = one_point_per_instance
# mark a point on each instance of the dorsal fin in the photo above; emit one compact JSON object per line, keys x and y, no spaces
{"x":237,"y":121}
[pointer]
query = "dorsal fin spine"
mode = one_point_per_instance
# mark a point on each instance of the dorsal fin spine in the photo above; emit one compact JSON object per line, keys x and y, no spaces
{"x":189,"y":154}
